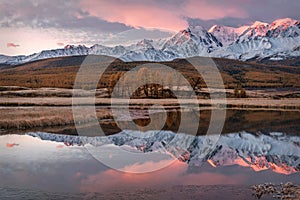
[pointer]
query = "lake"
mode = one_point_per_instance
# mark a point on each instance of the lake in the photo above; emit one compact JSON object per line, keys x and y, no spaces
{"x":256,"y":146}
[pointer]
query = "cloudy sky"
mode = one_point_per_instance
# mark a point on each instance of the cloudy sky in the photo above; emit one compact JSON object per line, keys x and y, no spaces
{"x":28,"y":26}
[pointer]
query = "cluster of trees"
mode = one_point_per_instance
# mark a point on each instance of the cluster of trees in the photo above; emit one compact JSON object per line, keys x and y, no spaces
{"x":149,"y":83}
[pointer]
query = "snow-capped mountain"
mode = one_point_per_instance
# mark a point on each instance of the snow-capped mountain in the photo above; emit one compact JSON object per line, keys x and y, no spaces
{"x":227,"y":35}
{"x":116,"y":51}
{"x":277,"y":40}
{"x":69,"y":50}
{"x":147,"y":50}
{"x":192,"y":41}
{"x":258,"y":152}
{"x":279,"y":28}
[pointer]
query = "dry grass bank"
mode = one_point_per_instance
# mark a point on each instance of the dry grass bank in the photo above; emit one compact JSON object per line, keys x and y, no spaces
{"x":30,"y":117}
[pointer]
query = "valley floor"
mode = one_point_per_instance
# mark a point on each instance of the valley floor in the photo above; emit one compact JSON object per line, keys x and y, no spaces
{"x":25,"y":108}
{"x":56,"y":113}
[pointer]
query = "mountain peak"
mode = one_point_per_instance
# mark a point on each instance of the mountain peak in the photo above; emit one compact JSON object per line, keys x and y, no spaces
{"x":226,"y":35}
{"x":145,"y":43}
{"x":259,"y":23}
{"x":221,"y":28}
{"x":69,"y":46}
{"x":193,"y":30}
{"x":285,"y":22}
{"x":214,"y":28}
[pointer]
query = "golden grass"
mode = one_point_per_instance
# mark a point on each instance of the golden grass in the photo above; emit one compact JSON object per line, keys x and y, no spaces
{"x":26,"y":118}
{"x":61,"y":73}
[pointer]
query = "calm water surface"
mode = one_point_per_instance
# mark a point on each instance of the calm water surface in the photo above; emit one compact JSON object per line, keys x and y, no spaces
{"x":33,"y":167}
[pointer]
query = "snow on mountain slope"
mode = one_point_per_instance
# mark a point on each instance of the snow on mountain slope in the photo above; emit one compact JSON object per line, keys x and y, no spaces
{"x":69,"y":50}
{"x":193,"y":41}
{"x":147,"y":50}
{"x":264,"y":47}
{"x":277,"y":40}
{"x":116,"y":51}
{"x":150,"y":54}
{"x":257,"y":29}
{"x":279,"y":28}
{"x":277,"y":152}
{"x":4,"y":58}
{"x":284,"y":28}
{"x":227,"y":35}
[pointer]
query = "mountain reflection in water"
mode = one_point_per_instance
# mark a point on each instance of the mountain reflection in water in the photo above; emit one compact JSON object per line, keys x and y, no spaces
{"x":254,"y":151}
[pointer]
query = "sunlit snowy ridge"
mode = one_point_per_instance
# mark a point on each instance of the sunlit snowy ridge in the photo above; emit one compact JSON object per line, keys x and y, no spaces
{"x":276,"y":151}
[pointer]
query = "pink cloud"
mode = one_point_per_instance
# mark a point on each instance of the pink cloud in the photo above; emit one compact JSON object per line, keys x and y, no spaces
{"x":10,"y":44}
{"x":174,"y":174}
{"x":154,"y":14}
{"x":137,"y":14}
{"x":60,"y":146}
{"x":60,"y":44}
{"x":10,"y":145}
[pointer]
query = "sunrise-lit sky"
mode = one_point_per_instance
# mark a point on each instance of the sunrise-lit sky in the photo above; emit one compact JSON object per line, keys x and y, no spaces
{"x":28,"y":26}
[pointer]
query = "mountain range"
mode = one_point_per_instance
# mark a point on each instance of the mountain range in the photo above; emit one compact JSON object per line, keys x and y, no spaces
{"x":278,"y":40}
{"x":259,"y":152}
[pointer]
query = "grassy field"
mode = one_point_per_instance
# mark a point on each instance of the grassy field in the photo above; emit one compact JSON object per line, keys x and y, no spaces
{"x":23,"y":118}
{"x":61,"y":73}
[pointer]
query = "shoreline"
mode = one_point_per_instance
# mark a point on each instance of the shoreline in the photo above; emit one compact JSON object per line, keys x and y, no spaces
{"x":60,"y":119}
{"x":266,"y":103}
